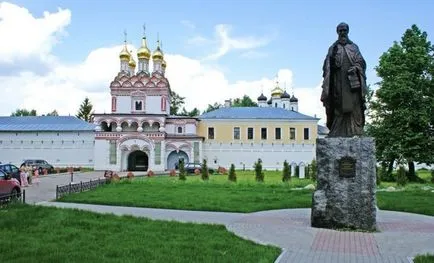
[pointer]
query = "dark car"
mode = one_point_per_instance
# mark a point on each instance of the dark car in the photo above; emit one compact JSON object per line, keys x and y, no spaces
{"x":38,"y":164}
{"x":12,"y":170}
{"x":190,"y":167}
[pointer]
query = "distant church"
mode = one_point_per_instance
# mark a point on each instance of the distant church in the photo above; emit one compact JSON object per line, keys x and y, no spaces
{"x":140,"y":134}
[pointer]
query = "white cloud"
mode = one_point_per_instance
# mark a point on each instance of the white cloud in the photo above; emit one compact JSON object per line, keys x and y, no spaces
{"x":65,"y":86}
{"x":228,"y":43}
{"x":24,"y":36}
{"x":198,"y":41}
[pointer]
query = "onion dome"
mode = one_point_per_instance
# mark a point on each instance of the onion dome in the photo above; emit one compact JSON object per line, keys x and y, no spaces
{"x":293,"y":99}
{"x":269,"y":101}
{"x":143,"y":52}
{"x":132,"y":62}
{"x":277,"y":91}
{"x":262,"y":97}
{"x":163,"y":64}
{"x":125,"y":55}
{"x":158,"y":53}
{"x":285,"y":95}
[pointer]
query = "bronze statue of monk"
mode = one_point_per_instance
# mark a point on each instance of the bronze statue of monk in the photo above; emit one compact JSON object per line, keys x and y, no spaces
{"x":344,"y":86}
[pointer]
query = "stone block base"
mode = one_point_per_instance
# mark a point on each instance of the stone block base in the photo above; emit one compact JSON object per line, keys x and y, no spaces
{"x":346,"y":184}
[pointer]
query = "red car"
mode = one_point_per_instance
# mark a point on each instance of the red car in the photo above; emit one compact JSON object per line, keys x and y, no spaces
{"x":9,"y":186}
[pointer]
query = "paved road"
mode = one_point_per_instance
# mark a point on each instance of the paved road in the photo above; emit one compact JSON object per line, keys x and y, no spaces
{"x":46,"y":189}
{"x":401,"y":236}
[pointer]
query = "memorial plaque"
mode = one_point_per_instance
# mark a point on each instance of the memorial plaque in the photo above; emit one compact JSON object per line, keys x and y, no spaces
{"x":347,"y":167}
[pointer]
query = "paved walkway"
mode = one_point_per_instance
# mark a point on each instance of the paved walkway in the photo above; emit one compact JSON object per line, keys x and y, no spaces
{"x":401,"y":236}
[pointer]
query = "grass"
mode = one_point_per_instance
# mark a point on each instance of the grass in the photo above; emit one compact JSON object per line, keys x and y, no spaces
{"x":215,"y":195}
{"x":27,"y":234}
{"x":427,"y":258}
{"x":244,"y":196}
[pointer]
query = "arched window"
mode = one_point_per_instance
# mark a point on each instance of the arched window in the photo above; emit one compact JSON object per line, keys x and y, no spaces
{"x":163,"y":103}
{"x":275,"y":104}
{"x":113,"y":104}
{"x":179,"y":129}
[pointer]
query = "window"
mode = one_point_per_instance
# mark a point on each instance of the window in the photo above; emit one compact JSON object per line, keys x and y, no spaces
{"x":163,"y":103}
{"x":263,"y":133}
{"x":113,"y":156}
{"x":211,"y":133}
{"x":196,"y":152}
{"x":249,"y":133}
{"x":275,"y":105}
{"x":236,"y":133}
{"x":138,"y":105}
{"x":278,"y":134}
{"x":179,"y":129}
{"x":284,"y":105}
{"x":113,"y":104}
{"x":306,"y":133}
{"x":292,"y":133}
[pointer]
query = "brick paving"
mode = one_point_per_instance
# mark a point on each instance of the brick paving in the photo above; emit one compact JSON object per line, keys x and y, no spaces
{"x":401,"y":236}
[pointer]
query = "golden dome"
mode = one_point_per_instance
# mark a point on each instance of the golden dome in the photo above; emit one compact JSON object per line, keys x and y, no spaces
{"x":163,"y":63}
{"x":132,"y":62}
{"x":143,"y":51}
{"x":125,"y":55}
{"x":158,"y":53}
{"x":277,"y":91}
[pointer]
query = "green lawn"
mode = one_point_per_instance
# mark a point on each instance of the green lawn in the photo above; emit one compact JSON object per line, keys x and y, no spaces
{"x":215,"y":195}
{"x":428,"y":258}
{"x":45,"y":234}
{"x":244,"y":196}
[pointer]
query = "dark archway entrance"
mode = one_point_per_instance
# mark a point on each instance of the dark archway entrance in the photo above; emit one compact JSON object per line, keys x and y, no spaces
{"x":138,"y":161}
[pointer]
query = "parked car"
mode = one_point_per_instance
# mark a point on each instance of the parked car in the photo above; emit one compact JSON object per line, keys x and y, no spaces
{"x":38,"y":164}
{"x":190,"y":167}
{"x":9,"y":186}
{"x":12,"y":170}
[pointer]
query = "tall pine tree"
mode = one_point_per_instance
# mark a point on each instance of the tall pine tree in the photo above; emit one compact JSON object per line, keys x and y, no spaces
{"x":85,"y":112}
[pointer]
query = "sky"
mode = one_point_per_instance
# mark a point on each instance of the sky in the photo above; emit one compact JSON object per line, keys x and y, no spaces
{"x":55,"y":53}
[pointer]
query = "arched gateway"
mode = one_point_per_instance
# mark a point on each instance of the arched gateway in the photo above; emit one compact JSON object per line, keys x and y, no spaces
{"x":138,"y":161}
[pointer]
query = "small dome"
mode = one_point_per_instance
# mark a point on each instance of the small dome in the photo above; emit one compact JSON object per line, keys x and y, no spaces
{"x":277,"y":91}
{"x":285,"y":95}
{"x":132,"y":62}
{"x":269,"y":101}
{"x":143,"y":52}
{"x":125,"y":55}
{"x":163,"y":63}
{"x":262,"y":97}
{"x":293,"y":99}
{"x":158,"y":53}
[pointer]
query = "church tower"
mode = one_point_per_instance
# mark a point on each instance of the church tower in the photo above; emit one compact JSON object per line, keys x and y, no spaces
{"x":124,"y":56}
{"x":158,"y":58}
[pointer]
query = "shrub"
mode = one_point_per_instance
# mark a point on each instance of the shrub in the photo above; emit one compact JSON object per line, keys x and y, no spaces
{"x":182,"y":175}
{"x":222,"y":170}
{"x":172,"y":172}
{"x":432,"y":176}
{"x":151,"y":173}
{"x":205,"y":173}
{"x":259,"y":175}
{"x":232,"y":175}
{"x":286,"y":172}
{"x":297,"y":171}
{"x":313,"y":170}
{"x":401,"y":177}
{"x":307,"y":172}
{"x":130,"y":175}
{"x":386,"y":176}
{"x":378,"y":176}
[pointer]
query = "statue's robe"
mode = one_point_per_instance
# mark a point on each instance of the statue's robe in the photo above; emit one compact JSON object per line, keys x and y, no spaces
{"x":344,"y":102}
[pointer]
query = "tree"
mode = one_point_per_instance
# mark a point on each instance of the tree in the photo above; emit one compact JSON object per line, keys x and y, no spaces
{"x":259,"y":175}
{"x":193,"y":113}
{"x":176,"y":103}
{"x":182,"y":173}
{"x":402,"y":111}
{"x":204,"y":171}
{"x":245,"y":101}
{"x":53,"y":113}
{"x":232,"y":175}
{"x":216,"y":106}
{"x":85,"y":111}
{"x":286,"y":173}
{"x":24,"y":112}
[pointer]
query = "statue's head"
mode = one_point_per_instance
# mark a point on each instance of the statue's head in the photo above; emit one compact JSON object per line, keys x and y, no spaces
{"x":343,"y":29}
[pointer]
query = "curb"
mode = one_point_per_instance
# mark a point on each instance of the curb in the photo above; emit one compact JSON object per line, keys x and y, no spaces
{"x":279,"y":258}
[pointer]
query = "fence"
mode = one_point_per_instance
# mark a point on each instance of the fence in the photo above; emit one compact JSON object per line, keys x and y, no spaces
{"x":13,"y":197}
{"x":79,"y":187}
